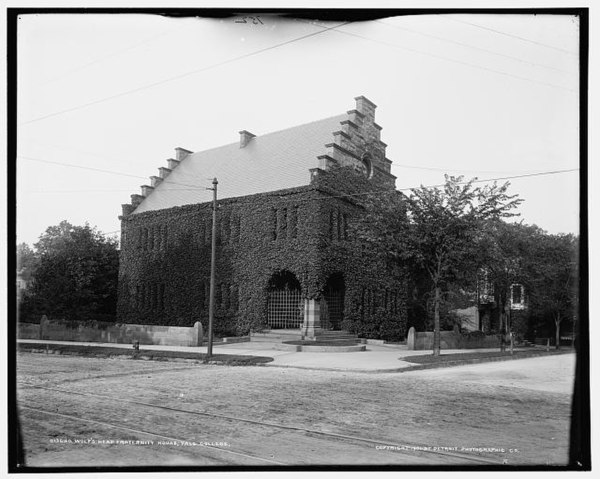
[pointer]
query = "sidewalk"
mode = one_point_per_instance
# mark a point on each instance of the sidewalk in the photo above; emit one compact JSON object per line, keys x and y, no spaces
{"x":377,"y":358}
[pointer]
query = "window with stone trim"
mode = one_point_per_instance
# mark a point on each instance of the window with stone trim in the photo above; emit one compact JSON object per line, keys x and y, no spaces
{"x":226,"y":297}
{"x":234,"y":297}
{"x":282,"y":233}
{"x":293,"y":222}
{"x":161,"y":297}
{"x":332,"y":225}
{"x":273,"y":223}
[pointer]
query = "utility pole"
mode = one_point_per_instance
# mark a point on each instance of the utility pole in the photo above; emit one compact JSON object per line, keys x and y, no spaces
{"x":213,"y":255}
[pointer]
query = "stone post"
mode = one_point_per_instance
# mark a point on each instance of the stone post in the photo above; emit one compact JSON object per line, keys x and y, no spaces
{"x":411,"y":339}
{"x":43,"y":325}
{"x":198,"y":333}
{"x":311,"y":328}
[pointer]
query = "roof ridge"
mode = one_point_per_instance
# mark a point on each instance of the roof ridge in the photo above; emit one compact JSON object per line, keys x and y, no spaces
{"x":258,"y":136}
{"x":302,"y":124}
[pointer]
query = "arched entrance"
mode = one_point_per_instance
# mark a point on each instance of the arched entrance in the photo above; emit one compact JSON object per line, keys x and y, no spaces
{"x":334,"y":299}
{"x":284,"y":301}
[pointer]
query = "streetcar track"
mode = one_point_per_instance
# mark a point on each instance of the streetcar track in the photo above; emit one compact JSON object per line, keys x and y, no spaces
{"x":405,"y":448}
{"x":139,"y":431}
{"x":121,"y":374}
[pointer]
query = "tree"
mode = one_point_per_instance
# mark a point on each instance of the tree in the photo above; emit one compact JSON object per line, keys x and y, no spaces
{"x":26,"y":257}
{"x":554,"y":269}
{"x":506,"y":249}
{"x":76,"y":275}
{"x":445,"y":228}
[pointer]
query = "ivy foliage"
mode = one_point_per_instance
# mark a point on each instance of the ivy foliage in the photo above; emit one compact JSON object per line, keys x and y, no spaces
{"x":257,"y":239}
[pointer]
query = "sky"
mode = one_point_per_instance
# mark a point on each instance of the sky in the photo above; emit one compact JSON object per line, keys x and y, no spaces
{"x":103,"y":101}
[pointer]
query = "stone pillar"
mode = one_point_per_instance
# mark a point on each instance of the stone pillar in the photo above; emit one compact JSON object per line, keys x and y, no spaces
{"x":43,"y":326}
{"x":199,"y":333}
{"x":411,"y":339}
{"x":311,"y":328}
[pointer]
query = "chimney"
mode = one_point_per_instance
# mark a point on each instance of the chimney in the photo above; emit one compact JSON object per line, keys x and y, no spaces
{"x":181,"y":153}
{"x":245,"y":137}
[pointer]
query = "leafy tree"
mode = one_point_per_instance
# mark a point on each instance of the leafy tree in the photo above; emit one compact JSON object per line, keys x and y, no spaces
{"x":554,"y":284}
{"x":27,"y":260}
{"x":445,"y":229}
{"x":506,"y":249}
{"x":76,"y":275}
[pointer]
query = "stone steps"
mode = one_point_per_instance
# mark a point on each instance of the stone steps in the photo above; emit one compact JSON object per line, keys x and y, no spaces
{"x":281,"y":335}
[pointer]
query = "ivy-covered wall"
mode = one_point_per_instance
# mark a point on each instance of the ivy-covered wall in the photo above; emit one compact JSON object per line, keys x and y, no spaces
{"x":309,"y":231}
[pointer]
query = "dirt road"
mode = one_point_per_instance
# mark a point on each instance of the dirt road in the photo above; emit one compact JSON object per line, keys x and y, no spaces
{"x":90,"y":412}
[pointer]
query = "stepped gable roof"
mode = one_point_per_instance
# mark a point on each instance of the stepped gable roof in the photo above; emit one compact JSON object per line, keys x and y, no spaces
{"x":270,"y":162}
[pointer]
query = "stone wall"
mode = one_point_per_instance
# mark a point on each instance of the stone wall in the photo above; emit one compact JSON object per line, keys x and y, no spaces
{"x":56,"y":330}
{"x":449,"y":340}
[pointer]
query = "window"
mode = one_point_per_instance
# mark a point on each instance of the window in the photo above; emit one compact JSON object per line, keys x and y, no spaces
{"x":331,"y":224}
{"x":293,"y":228}
{"x":161,"y":297}
{"x":234,"y":298}
{"x":517,"y":296}
{"x":283,"y":223}
{"x":273,"y":223}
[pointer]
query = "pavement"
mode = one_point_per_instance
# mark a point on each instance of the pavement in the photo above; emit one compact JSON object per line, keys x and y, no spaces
{"x":376,"y":358}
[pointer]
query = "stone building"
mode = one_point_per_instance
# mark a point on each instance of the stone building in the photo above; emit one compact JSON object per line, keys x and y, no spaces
{"x":288,"y":255}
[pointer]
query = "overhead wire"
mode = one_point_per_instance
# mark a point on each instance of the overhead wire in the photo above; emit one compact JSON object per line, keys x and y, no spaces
{"x":70,"y":165}
{"x":110,"y":55}
{"x":180,"y":76}
{"x":388,"y":190}
{"x":500,"y":32}
{"x":460,"y":62}
{"x":193,"y":187}
{"x":468,"y":45}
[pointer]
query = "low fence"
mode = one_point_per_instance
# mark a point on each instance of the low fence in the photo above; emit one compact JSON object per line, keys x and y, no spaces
{"x":102,"y":332}
{"x":449,"y":340}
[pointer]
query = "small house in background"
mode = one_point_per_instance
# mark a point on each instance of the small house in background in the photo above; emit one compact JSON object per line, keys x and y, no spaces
{"x":484,"y":314}
{"x":23,"y":279}
{"x":287,"y":255}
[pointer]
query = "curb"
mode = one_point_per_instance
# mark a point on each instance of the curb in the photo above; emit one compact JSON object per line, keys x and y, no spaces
{"x":418,"y":367}
{"x":137,"y":357}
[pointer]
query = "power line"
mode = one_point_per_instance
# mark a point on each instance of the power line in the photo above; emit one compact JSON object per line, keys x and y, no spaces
{"x":432,"y":168}
{"x":79,"y":166}
{"x":70,"y":165}
{"x":110,"y":55}
{"x":508,"y":34}
{"x":467,"y":45}
{"x":183,"y":75}
{"x":460,"y":62}
{"x":363,"y":193}
{"x":193,"y":187}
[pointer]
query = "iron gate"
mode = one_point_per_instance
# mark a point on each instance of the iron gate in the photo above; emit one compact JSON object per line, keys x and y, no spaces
{"x":284,"y":309}
{"x":335,"y":310}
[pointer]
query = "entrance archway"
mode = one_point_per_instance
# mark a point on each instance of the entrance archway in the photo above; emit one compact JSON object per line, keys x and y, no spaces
{"x":334,"y":299}
{"x":284,"y":301}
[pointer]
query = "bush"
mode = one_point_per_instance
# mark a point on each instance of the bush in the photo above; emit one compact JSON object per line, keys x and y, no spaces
{"x":382,"y":325}
{"x":474,"y":335}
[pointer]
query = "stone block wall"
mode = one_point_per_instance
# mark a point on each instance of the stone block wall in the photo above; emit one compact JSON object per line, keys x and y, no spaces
{"x":112,"y":333}
{"x":449,"y":340}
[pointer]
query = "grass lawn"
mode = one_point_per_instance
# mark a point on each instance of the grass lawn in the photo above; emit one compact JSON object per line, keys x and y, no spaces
{"x":106,"y":352}
{"x":491,"y":355}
